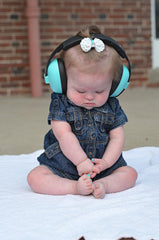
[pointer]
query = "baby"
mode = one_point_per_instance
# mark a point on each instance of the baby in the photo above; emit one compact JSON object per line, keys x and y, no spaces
{"x":83,"y":149}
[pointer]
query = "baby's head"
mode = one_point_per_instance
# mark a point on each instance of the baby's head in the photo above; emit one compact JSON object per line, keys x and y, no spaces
{"x":89,"y":69}
{"x":90,"y":74}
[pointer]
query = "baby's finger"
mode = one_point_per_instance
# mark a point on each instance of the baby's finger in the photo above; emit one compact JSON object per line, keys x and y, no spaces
{"x":97,"y":169}
{"x":93,"y":174}
{"x":96,"y":160}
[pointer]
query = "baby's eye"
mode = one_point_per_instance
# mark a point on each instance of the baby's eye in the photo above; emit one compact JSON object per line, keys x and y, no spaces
{"x":80,"y":91}
{"x":98,"y":92}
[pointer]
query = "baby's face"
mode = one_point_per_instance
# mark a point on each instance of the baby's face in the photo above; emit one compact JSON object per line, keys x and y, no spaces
{"x":88,"y":88}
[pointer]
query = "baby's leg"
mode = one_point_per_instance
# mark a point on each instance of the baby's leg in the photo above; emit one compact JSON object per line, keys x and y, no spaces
{"x":121,"y":179}
{"x":42,"y":180}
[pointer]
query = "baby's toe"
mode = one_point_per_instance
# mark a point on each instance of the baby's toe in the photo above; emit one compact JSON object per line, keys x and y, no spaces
{"x":99,"y":191}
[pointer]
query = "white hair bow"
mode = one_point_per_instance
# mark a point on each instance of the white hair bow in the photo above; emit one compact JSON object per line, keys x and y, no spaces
{"x":87,"y":44}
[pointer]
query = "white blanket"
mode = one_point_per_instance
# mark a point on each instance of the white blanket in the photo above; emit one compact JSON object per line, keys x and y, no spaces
{"x":25,"y":215}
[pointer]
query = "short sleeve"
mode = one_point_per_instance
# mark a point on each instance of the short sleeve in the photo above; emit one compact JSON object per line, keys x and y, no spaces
{"x":57,"y":108}
{"x":120,"y":117}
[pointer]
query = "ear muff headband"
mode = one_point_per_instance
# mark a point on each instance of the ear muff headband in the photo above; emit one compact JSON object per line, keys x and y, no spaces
{"x":54,"y":78}
{"x":71,"y":42}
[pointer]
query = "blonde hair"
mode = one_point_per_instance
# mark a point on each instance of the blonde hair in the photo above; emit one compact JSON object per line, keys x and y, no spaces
{"x":70,"y":57}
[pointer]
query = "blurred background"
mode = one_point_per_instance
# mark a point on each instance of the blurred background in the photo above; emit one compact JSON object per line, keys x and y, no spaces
{"x":31,"y":29}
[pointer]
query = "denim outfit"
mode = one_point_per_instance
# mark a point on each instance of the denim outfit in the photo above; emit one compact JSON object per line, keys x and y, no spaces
{"x":91,"y":127}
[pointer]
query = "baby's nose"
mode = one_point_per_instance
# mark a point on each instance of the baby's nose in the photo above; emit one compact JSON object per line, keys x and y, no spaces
{"x":89,"y":96}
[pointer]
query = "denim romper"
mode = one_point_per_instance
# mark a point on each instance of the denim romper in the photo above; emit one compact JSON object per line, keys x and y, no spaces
{"x":91,"y":127}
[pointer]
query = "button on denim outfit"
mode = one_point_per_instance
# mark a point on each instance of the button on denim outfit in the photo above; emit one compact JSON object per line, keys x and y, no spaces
{"x":91,"y":127}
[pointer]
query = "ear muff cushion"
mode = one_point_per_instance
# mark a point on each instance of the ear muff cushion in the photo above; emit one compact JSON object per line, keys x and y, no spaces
{"x":56,"y":76}
{"x":123,"y":84}
{"x":63,"y":75}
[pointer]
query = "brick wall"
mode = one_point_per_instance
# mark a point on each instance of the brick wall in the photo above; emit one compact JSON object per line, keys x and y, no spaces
{"x":126,"y":21}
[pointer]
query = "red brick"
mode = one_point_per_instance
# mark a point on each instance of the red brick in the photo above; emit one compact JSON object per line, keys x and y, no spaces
{"x":134,"y":34}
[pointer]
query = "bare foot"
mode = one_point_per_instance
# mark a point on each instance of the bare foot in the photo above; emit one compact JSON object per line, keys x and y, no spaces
{"x":84,"y":185}
{"x":99,"y":190}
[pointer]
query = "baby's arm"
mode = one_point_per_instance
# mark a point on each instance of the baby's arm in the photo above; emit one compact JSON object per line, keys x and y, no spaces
{"x":113,"y":150}
{"x":71,"y":147}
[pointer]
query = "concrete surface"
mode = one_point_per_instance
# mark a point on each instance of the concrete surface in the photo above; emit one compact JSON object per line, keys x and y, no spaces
{"x":23,"y":121}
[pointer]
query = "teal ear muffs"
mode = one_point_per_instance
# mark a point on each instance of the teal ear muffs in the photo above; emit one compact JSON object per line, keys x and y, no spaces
{"x":55,"y":73}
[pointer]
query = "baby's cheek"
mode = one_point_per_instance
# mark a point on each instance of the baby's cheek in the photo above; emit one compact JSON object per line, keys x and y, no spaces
{"x":77,"y":99}
{"x":101,"y":100}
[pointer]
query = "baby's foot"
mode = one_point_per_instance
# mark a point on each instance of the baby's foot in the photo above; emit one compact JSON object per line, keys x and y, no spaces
{"x":99,"y":190}
{"x":84,"y":185}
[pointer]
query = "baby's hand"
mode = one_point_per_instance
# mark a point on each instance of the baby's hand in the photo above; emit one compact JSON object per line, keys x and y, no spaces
{"x":85,"y":167}
{"x":100,"y":165}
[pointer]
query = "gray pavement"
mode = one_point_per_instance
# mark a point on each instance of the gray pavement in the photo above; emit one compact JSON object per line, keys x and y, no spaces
{"x":23,"y":121}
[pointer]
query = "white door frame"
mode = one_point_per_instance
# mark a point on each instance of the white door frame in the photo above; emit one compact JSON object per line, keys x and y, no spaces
{"x":154,"y":40}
